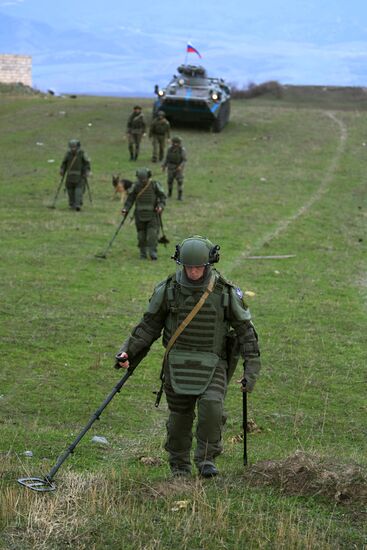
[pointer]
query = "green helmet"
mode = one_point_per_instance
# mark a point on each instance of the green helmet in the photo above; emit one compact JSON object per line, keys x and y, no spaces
{"x":196,"y":251}
{"x":161,"y":113}
{"x":176,"y":139}
{"x":143,"y":174}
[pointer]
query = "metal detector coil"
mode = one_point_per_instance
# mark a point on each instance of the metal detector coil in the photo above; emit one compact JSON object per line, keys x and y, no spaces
{"x":46,"y":483}
{"x":37,"y":484}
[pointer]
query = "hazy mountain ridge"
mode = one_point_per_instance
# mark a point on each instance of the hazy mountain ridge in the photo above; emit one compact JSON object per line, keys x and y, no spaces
{"x":124,"y":59}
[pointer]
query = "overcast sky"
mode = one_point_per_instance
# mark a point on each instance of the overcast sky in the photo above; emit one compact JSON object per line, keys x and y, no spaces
{"x":134,"y":44}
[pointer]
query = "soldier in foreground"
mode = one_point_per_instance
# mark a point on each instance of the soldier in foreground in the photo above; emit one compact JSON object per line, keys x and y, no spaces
{"x":150,"y":200}
{"x":175,"y":163}
{"x":195,"y":308}
{"x":136,"y":128}
{"x":159,"y":132}
{"x":76,"y":167}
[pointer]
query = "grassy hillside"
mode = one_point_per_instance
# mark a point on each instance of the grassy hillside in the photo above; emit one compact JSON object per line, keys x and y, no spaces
{"x":281,"y":179}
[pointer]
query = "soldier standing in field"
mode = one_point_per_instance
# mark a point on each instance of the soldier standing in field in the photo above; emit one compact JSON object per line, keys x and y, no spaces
{"x":175,"y":163}
{"x":150,"y":200}
{"x":136,"y":128}
{"x":76,"y":167}
{"x":159,"y":131}
{"x":199,"y":311}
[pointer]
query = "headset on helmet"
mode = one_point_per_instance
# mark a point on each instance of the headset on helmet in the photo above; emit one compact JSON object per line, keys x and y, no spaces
{"x":196,"y":250}
{"x":143,"y":174}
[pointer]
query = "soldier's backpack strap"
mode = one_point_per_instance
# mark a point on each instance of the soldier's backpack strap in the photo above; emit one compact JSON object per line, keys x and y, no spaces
{"x":181,"y":328}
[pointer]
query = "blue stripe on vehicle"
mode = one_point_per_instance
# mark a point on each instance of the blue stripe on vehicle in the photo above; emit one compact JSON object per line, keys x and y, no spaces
{"x":215,"y":107}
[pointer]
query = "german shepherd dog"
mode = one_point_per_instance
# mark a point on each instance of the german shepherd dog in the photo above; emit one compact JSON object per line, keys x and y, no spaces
{"x":121,"y":186}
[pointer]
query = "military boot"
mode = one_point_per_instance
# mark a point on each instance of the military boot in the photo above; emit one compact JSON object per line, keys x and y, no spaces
{"x":170,"y":190}
{"x":179,"y":196}
{"x":131,"y":151}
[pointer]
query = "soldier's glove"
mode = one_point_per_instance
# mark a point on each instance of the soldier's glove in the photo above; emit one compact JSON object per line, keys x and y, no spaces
{"x":121,"y":358}
{"x":124,"y":212}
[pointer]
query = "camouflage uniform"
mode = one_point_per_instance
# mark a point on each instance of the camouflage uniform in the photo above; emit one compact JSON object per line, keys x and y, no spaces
{"x":76,"y":166}
{"x":159,"y":131}
{"x":175,"y":162}
{"x":197,"y":371}
{"x":147,"y":195}
{"x":136,"y":127}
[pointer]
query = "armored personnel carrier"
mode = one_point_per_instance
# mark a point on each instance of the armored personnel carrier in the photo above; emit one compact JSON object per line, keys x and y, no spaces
{"x":193,"y":97}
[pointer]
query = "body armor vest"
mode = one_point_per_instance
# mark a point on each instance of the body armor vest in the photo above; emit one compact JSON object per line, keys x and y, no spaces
{"x":174,"y":156}
{"x":160,"y":127}
{"x":74,"y":166}
{"x":199,"y":348}
{"x":145,"y":204}
{"x":137,"y":123}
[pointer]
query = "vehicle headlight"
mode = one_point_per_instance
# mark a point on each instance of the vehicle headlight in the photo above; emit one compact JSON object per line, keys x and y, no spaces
{"x":181,"y":82}
{"x":161,"y":93}
{"x":215,"y":96}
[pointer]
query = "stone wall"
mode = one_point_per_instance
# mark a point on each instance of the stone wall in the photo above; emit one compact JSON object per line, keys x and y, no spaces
{"x":16,"y":68}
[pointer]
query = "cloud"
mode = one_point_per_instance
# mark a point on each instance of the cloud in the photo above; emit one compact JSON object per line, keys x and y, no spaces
{"x":10,"y":3}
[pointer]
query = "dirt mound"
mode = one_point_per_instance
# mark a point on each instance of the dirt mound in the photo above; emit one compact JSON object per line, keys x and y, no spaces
{"x":309,"y":474}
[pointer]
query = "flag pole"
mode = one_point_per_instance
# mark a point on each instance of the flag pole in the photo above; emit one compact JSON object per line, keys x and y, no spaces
{"x":186,"y":55}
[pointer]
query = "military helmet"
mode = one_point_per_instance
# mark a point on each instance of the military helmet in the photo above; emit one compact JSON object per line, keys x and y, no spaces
{"x":143,"y":174}
{"x":137,"y":107}
{"x":74,"y":143}
{"x":196,"y":251}
{"x":161,"y":113}
{"x":176,"y":139}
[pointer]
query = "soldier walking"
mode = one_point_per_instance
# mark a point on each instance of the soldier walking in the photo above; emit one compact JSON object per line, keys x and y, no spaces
{"x":159,"y":132}
{"x":175,"y":163}
{"x":76,"y":167}
{"x":150,"y":200}
{"x":196,"y":307}
{"x":136,"y":128}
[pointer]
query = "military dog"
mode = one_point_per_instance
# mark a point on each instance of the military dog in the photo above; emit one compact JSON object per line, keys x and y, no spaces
{"x":121,"y":186}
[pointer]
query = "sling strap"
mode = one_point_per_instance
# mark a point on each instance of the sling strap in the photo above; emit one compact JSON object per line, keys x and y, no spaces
{"x":143,"y":190}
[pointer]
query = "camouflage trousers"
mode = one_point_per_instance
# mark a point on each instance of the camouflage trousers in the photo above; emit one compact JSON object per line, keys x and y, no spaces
{"x":134,"y":140}
{"x":210,"y":420}
{"x":174,"y":174}
{"x":159,"y":143}
{"x":75,"y":193}
{"x":147,"y":235}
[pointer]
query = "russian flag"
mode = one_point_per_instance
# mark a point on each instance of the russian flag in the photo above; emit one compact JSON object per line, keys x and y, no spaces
{"x":190,"y":49}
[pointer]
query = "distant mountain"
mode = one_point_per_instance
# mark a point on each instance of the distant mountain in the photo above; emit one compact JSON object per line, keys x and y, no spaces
{"x":111,"y":59}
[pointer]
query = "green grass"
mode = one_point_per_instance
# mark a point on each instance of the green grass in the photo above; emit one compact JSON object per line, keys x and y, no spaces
{"x":284,"y":177}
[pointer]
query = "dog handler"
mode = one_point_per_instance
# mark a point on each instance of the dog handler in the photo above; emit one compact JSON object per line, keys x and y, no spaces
{"x":199,"y":311}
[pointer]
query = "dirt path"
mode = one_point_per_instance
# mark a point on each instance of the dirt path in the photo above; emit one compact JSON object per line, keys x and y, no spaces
{"x":320,"y":191}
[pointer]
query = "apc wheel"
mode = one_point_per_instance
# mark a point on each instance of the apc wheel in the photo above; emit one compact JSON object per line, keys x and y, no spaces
{"x":222,"y":118}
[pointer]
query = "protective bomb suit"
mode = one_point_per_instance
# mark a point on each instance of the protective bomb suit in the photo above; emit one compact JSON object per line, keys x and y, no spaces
{"x":196,"y":368}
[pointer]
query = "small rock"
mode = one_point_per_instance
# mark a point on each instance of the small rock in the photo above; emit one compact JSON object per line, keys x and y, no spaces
{"x":51,"y":160}
{"x":28,"y":453}
{"x":100,"y":439}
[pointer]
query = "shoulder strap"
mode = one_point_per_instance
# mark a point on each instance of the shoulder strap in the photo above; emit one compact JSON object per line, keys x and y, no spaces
{"x":143,"y":190}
